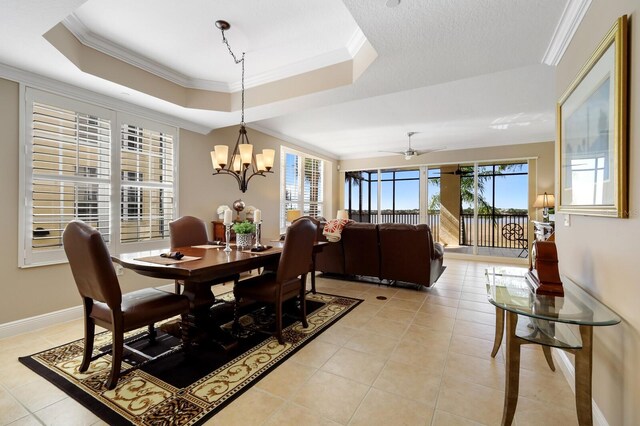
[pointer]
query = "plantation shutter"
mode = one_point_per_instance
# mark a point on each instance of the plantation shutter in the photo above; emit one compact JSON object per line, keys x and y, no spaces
{"x":313,"y":187}
{"x":302,"y":185}
{"x":70,"y":167}
{"x":147,"y":183}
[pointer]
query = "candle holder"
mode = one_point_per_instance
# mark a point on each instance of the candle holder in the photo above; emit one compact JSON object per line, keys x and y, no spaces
{"x":258,"y":245}
{"x":227,"y":237}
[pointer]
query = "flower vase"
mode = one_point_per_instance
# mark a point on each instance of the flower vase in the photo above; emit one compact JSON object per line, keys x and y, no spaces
{"x":244,"y":241}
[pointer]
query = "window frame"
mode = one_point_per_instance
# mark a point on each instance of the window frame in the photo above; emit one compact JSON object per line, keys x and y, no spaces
{"x":28,"y":95}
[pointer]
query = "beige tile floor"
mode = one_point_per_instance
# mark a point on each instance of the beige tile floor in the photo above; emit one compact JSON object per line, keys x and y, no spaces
{"x":417,"y":358}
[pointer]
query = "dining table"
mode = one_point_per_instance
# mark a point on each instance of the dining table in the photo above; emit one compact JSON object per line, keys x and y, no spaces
{"x":200,"y":268}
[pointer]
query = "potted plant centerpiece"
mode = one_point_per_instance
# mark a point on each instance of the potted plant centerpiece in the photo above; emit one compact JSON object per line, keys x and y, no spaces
{"x":244,"y":233}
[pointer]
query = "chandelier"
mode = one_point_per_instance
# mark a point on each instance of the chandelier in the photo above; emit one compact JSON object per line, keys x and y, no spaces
{"x":242,"y":158}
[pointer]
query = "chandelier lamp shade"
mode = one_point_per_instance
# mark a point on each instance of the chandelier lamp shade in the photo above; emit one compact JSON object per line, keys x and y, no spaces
{"x":242,"y":165}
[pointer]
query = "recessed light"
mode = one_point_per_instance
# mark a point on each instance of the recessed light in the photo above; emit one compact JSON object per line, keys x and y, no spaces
{"x":392,"y":3}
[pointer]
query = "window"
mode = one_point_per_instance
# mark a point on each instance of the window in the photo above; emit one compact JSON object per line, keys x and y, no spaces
{"x":303,"y":183}
{"x":71,"y":165}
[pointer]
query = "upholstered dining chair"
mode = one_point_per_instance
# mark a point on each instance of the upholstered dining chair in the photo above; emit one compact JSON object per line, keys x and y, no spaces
{"x":289,"y":279}
{"x":191,"y":231}
{"x":103,"y":301}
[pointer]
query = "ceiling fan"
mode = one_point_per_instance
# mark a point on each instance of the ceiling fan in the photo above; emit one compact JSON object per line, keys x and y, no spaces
{"x":410,"y":152}
{"x":458,"y":172}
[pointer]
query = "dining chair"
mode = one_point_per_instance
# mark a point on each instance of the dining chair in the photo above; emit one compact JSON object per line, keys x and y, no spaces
{"x":192,"y":231}
{"x":105,"y":305}
{"x":288,"y":281}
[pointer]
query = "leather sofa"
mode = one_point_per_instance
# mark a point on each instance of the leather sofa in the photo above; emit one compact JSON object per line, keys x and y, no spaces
{"x":390,"y":251}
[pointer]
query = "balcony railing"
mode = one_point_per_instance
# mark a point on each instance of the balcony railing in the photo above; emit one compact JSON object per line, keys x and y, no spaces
{"x":489,"y":226}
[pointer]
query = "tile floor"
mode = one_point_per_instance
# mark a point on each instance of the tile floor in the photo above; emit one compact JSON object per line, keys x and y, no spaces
{"x":417,"y":358}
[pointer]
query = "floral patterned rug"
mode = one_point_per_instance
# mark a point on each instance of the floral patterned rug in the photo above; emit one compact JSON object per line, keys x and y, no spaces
{"x":181,"y":390}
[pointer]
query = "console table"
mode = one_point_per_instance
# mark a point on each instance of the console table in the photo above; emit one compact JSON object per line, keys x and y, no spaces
{"x":219,"y":230}
{"x":550,"y":317}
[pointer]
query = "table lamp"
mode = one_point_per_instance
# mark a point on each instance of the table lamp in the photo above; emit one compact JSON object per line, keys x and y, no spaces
{"x":544,"y":201}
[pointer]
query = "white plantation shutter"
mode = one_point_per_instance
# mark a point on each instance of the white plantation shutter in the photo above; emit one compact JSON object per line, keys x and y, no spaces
{"x":302,"y":185}
{"x":313,"y":186}
{"x":146,"y":192}
{"x":113,"y":171}
{"x":70,"y":169}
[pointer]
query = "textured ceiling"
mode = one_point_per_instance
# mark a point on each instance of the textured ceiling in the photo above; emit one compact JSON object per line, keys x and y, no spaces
{"x":466,"y":72}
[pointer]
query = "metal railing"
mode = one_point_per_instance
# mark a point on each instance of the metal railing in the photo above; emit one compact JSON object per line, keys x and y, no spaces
{"x":489,"y":226}
{"x":490,"y":230}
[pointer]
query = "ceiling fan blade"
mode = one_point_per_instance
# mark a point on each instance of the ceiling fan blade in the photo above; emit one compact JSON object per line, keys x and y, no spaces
{"x":393,"y":152}
{"x":427,"y":151}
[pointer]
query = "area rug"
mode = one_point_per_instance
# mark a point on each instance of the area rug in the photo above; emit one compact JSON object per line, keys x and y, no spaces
{"x":180,"y":389}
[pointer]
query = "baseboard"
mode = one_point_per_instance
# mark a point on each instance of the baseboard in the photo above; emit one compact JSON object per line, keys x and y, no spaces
{"x":26,"y":325}
{"x":567,"y":368}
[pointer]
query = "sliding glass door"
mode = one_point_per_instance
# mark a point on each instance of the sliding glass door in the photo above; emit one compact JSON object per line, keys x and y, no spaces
{"x":471,"y":208}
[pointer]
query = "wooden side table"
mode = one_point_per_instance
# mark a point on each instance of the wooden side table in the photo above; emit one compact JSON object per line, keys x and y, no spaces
{"x":218,"y":231}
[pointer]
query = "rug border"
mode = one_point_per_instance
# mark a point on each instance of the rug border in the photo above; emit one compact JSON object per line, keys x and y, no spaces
{"x":103,"y":412}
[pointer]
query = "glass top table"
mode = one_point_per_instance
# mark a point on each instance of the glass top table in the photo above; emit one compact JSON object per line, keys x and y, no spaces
{"x":564,"y":322}
{"x":507,"y":288}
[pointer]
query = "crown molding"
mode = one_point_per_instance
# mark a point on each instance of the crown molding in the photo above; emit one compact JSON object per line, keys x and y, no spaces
{"x":569,"y":22}
{"x":294,"y":141}
{"x":64,"y":89}
{"x":89,"y":39}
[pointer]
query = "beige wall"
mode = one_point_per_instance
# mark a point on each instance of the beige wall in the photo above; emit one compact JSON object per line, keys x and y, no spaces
{"x":34,"y":291}
{"x":601,"y":253}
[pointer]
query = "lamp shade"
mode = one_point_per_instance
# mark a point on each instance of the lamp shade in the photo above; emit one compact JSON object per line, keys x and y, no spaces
{"x":342,"y":214}
{"x":544,"y":200}
{"x":293,"y":215}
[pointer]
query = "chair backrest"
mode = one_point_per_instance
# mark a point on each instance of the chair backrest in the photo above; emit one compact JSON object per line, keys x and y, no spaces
{"x":188,"y":231}
{"x":91,"y":264}
{"x":296,"y":258}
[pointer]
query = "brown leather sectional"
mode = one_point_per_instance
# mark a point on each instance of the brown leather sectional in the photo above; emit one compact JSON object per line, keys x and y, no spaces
{"x":388,"y":251}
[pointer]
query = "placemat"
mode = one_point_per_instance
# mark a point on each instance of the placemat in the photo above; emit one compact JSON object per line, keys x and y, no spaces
{"x":209,"y":246}
{"x":167,"y":260}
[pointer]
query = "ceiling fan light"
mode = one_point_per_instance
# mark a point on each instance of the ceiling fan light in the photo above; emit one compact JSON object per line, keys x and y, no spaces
{"x":408,"y":156}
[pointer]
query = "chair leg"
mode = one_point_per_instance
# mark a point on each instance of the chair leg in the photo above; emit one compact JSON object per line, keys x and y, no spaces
{"x":89,"y":333}
{"x":236,"y":315}
{"x":116,"y":354}
{"x":279,"y":322}
{"x":184,"y":332}
{"x":303,"y":303}
{"x":178,"y":289}
{"x":152,"y":333}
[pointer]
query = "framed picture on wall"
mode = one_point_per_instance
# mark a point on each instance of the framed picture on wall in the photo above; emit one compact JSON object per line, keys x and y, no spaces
{"x":592,"y":132}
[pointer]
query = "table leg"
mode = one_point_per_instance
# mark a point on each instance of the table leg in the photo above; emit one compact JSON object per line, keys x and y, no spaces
{"x":200,"y":322}
{"x":546,"y":350}
{"x":512,"y":379}
{"x":497,"y":341}
{"x":583,"y":361}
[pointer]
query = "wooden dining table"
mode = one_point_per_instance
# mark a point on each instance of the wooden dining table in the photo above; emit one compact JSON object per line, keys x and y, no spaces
{"x":211,"y":266}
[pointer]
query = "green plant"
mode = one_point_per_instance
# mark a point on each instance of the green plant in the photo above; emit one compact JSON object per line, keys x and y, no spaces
{"x":245,"y":227}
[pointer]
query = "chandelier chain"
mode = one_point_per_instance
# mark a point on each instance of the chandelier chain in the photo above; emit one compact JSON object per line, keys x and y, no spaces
{"x":237,"y":61}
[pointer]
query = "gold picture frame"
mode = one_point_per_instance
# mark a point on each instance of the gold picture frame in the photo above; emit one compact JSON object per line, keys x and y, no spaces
{"x":592,"y":137}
